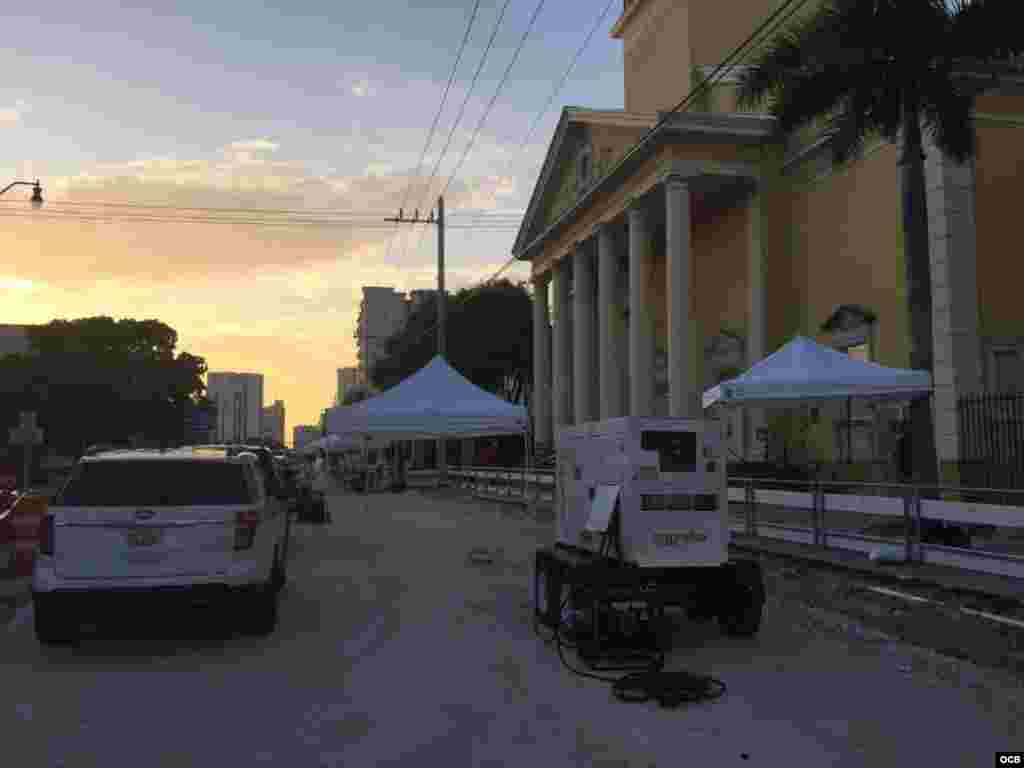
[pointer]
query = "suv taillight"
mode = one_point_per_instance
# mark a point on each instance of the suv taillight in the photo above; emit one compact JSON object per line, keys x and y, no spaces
{"x":46,"y":531}
{"x":245,"y":528}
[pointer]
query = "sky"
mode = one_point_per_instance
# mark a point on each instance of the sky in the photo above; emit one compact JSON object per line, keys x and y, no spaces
{"x":297,"y":105}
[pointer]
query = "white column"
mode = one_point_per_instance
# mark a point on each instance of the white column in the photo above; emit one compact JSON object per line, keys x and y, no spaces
{"x":953,"y":244}
{"x":757,"y":320}
{"x":541,"y":361}
{"x":611,"y":330}
{"x":561,"y":348}
{"x":683,"y":368}
{"x":641,"y":315}
{"x":584,"y":367}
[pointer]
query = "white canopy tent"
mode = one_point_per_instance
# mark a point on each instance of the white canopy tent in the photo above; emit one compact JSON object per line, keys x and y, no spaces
{"x":804,"y":370}
{"x":435,"y":402}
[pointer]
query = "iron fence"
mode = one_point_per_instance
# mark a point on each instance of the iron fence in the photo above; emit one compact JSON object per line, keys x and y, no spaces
{"x":992,"y":440}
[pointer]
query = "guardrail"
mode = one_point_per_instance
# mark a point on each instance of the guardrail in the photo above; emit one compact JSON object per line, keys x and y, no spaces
{"x":817,"y":513}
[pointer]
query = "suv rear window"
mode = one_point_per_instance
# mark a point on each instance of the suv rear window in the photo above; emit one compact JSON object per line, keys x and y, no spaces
{"x":140,"y":483}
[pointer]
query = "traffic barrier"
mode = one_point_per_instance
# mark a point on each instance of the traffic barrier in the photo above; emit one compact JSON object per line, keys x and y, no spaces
{"x":7,"y":543}
{"x":25,"y":517}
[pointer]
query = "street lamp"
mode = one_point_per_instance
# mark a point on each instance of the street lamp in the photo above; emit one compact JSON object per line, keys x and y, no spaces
{"x":37,"y":191}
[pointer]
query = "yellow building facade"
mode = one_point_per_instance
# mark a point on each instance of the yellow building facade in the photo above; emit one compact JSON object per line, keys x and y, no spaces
{"x":665,"y":260}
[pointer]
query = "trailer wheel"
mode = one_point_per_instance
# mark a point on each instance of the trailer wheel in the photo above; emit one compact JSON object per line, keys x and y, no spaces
{"x":744,"y":599}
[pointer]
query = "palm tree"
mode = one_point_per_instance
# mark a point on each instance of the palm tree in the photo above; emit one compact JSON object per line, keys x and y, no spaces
{"x":881,"y":68}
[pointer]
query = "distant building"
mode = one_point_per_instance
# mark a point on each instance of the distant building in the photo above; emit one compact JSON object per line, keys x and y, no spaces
{"x":382,"y":314}
{"x":272,"y":422}
{"x":303,"y":435}
{"x":14,"y":339}
{"x":239,"y":401}
{"x":347,"y":379}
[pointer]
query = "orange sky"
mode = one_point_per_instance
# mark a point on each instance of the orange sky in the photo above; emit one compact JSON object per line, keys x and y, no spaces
{"x":278,"y":301}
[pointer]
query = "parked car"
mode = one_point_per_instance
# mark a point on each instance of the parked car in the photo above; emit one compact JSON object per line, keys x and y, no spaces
{"x":192,"y":523}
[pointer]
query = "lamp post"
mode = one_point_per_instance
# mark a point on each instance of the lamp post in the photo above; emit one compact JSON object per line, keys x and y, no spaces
{"x":37,"y":191}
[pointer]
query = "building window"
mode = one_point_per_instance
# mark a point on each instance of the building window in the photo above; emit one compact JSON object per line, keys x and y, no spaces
{"x":584,"y":169}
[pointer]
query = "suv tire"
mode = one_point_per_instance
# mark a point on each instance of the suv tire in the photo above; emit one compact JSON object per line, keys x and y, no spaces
{"x":260,"y":612}
{"x":50,"y":627}
{"x":279,"y":574}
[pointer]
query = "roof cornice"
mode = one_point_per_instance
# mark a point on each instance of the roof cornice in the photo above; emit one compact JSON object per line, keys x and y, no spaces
{"x":629,"y":11}
{"x":733,"y":128}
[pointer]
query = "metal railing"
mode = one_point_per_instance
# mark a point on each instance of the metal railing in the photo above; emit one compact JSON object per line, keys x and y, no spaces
{"x":843,"y":515}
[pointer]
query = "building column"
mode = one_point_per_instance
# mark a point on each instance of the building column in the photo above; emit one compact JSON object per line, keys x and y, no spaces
{"x":953,"y":246}
{"x":584,"y":371}
{"x":641,"y":314}
{"x":541,"y":361}
{"x":683,"y":365}
{"x":757,"y":320}
{"x":611,"y":328}
{"x":561,"y":349}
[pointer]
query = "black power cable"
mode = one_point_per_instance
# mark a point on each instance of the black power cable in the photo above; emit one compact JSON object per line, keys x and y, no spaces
{"x":669,"y":688}
{"x":646,"y":677}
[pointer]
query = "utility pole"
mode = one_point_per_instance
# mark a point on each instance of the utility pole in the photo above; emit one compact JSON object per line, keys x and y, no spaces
{"x":442,"y":309}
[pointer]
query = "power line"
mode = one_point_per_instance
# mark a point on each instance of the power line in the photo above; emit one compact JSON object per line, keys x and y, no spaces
{"x":497,"y":92}
{"x":458,"y":119}
{"x":766,"y":27}
{"x":289,"y":222}
{"x":773,"y":21}
{"x":472,"y":290}
{"x":368,"y":213}
{"x":568,"y":71}
{"x":437,"y":116}
{"x":561,"y":83}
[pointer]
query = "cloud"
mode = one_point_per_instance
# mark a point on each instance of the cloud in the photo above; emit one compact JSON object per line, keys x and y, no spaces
{"x":360,"y":88}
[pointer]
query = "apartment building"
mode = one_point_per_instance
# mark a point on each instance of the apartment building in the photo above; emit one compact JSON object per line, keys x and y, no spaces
{"x":239,"y":401}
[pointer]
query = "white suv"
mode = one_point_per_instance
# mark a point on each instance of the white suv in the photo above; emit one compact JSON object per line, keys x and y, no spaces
{"x":194,"y":523}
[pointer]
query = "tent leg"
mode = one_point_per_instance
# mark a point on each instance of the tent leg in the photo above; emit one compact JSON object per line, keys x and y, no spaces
{"x":849,"y":430}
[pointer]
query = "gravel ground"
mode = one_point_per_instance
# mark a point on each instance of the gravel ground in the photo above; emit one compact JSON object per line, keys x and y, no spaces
{"x":396,"y":649}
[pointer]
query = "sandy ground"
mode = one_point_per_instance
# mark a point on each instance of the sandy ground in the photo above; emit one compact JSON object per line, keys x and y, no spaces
{"x":395,"y":649}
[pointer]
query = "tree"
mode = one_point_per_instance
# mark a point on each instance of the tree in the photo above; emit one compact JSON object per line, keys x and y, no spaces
{"x":490,"y":340}
{"x":99,"y":380}
{"x":881,"y":68}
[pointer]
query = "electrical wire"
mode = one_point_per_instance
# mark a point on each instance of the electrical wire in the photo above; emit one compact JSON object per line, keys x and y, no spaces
{"x":497,"y":92}
{"x":132,"y":209}
{"x":565,"y":75}
{"x":437,"y":116}
{"x":458,"y":119}
{"x":776,"y":19}
{"x":646,"y":677}
{"x":287,"y":223}
{"x":765,"y":28}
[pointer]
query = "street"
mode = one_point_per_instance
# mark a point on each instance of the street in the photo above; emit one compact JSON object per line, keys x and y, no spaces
{"x":395,"y":649}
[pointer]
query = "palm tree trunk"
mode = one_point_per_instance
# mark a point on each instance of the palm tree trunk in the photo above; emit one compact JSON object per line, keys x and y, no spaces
{"x":918,"y":275}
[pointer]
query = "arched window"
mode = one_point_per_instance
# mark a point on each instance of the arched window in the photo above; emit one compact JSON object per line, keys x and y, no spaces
{"x":584,"y":169}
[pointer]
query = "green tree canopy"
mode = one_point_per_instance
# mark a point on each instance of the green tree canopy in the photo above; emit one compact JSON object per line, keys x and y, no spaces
{"x":490,"y":340}
{"x":97,"y":380}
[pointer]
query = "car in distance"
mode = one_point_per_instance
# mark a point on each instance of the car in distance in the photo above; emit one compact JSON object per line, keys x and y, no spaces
{"x":198,"y":525}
